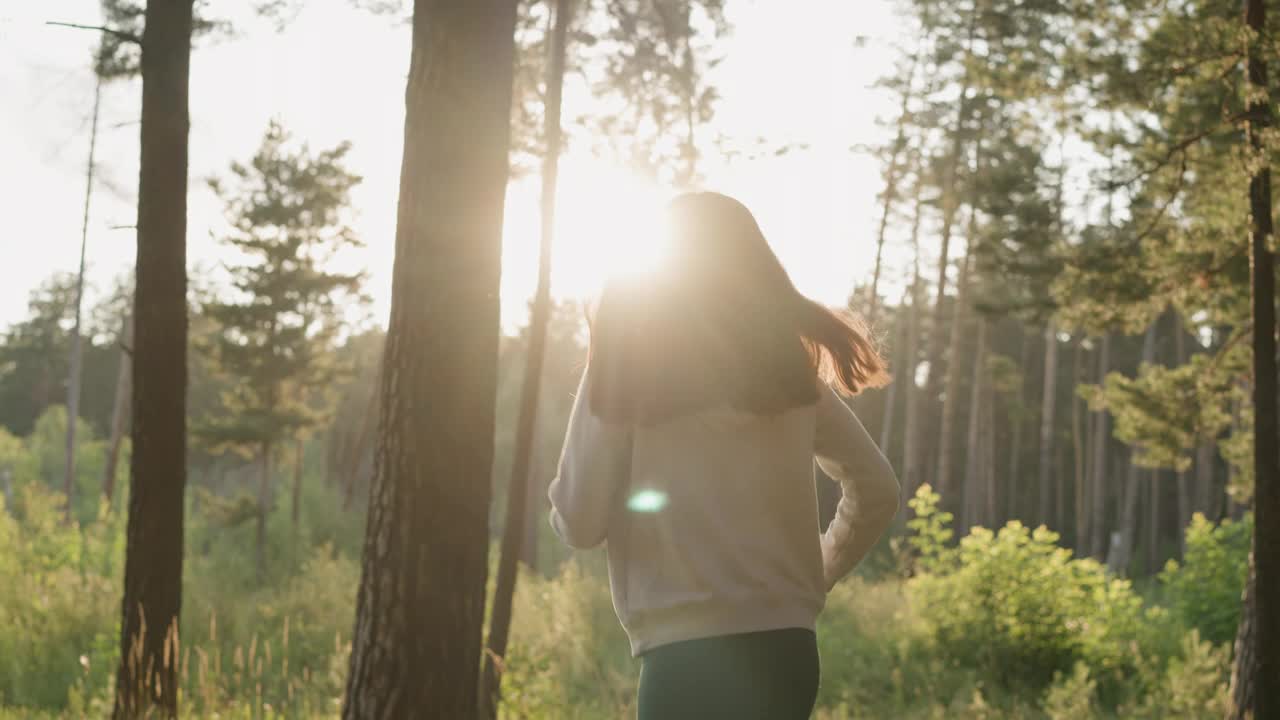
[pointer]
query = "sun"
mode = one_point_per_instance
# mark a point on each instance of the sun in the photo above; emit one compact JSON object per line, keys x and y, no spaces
{"x":609,"y":222}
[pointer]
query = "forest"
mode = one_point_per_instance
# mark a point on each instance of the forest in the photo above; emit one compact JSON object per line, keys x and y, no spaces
{"x":250,"y":489}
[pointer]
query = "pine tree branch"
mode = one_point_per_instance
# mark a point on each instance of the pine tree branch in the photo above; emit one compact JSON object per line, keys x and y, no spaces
{"x":1178,"y":149}
{"x":122,"y":34}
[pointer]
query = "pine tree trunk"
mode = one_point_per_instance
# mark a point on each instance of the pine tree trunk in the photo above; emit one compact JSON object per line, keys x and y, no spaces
{"x":1098,"y":481}
{"x":1244,"y":674}
{"x":989,"y":458}
{"x":1077,"y":443}
{"x":1153,"y":523}
{"x":119,"y":410}
{"x":891,"y":393}
{"x":147,"y":680}
{"x":74,"y":373}
{"x":1264,"y":610}
{"x":1048,"y":406}
{"x":891,"y":191}
{"x":1120,"y":554}
{"x":950,"y":207}
{"x":513,"y":531}
{"x":1015,"y":445}
{"x":298,"y":447}
{"x":907,"y":376}
{"x":1120,"y":550}
{"x":973,"y":482}
{"x":359,"y":451}
{"x":1203,"y":495}
{"x":420,"y":604}
{"x":264,"y":507}
{"x":951,"y":393}
{"x":1183,"y":477}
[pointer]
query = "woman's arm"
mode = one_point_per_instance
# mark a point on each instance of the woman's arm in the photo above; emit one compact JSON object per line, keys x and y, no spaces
{"x":593,"y":463}
{"x":869,"y":487}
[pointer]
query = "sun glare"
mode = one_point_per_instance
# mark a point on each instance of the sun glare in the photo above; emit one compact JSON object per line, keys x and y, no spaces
{"x":610,"y":223}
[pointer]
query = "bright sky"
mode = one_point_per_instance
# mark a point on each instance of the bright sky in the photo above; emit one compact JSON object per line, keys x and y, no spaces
{"x":792,"y":72}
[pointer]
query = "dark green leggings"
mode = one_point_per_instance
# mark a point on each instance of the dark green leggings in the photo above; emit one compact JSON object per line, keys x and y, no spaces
{"x":770,"y":675}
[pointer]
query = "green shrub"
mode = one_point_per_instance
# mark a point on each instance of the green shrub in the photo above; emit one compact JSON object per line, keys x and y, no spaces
{"x":1019,"y":608}
{"x":1204,"y":591}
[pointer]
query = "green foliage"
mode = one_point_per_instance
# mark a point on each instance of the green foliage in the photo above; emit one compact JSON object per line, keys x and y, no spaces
{"x":930,"y":527}
{"x":1073,"y":696}
{"x":1019,"y":608}
{"x":276,"y":332}
{"x":1193,"y":685}
{"x":1204,"y":591}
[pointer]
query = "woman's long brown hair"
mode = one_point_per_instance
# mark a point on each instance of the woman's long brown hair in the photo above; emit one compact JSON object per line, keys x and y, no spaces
{"x":720,"y":324}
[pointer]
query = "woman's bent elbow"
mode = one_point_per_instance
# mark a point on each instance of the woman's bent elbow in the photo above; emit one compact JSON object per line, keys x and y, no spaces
{"x":574,"y":534}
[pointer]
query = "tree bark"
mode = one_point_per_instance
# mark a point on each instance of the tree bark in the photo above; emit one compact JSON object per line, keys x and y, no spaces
{"x":1264,"y":611}
{"x":1244,"y":677}
{"x":420,"y":604}
{"x":119,"y":409}
{"x":1098,"y":481}
{"x":147,"y":680}
{"x":1048,"y":406}
{"x":513,"y":531}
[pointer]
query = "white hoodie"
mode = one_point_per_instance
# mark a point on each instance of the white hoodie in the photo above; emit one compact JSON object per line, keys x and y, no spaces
{"x":711,"y":519}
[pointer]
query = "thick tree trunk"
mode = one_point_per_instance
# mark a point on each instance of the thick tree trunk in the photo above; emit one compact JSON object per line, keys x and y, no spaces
{"x":147,"y":680}
{"x":1264,"y":611}
{"x":1244,"y":676}
{"x":952,"y":391}
{"x":513,"y":531}
{"x":420,"y":606}
{"x":119,"y":409}
{"x":264,"y":507}
{"x":1048,"y":406}
{"x":1098,"y":481}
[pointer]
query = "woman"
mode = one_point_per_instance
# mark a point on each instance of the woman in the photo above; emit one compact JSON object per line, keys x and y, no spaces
{"x":707,"y":395}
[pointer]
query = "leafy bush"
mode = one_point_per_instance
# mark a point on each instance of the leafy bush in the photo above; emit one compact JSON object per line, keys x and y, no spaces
{"x":1019,"y":608}
{"x":1204,"y":591}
